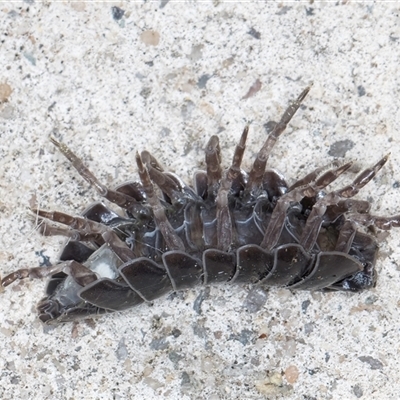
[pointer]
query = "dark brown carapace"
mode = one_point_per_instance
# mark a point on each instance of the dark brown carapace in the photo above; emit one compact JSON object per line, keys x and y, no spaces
{"x":230,"y":227}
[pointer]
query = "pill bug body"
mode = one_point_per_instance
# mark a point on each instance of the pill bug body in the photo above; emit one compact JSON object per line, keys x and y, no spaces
{"x":230,"y":227}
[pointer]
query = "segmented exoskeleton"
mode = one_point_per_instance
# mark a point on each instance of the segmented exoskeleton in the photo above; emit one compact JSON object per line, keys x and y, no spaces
{"x":231,"y":226}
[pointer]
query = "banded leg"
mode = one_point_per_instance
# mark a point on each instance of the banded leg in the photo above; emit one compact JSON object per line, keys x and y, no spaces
{"x":132,"y":204}
{"x":84,"y":227}
{"x":172,"y":240}
{"x":224,"y":219}
{"x":96,"y":212}
{"x":46,"y":229}
{"x":260,"y":163}
{"x":312,"y":176}
{"x":276,"y":223}
{"x":384,"y":223}
{"x":324,"y":214}
{"x":318,"y":214}
{"x":167,"y":185}
{"x":82,"y":275}
{"x":214,"y":170}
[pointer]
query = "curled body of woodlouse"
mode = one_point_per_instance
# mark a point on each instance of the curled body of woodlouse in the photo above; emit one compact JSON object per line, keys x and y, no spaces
{"x":231,"y":226}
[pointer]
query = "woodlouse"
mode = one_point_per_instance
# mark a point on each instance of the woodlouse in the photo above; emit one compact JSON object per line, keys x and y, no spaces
{"x":231,"y":226}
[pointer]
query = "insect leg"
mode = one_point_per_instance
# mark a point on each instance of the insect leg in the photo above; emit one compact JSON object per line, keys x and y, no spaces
{"x":133,"y":205}
{"x":97,"y":212}
{"x":82,"y":275}
{"x":384,"y":223}
{"x":167,"y":185}
{"x":260,"y":163}
{"x":213,"y":162}
{"x":311,"y":177}
{"x":362,"y":179}
{"x":46,"y":229}
{"x":276,"y":223}
{"x":224,"y":219}
{"x":83,"y":226}
{"x":326,"y":212}
{"x":317,"y":215}
{"x":172,"y":240}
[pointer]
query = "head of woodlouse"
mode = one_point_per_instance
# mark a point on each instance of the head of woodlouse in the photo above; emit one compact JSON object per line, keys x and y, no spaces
{"x":229,"y":227}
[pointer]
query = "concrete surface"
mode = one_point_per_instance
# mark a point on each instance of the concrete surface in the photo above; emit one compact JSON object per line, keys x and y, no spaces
{"x":165,"y":76}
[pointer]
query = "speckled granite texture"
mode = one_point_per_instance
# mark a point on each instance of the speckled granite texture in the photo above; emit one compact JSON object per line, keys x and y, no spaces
{"x":113,"y":78}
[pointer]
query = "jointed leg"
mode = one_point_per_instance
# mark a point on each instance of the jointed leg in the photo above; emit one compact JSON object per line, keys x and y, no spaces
{"x":384,"y":223}
{"x":328,"y":213}
{"x":82,"y":275}
{"x":258,"y":169}
{"x":46,"y":229}
{"x":172,"y":240}
{"x":318,"y":214}
{"x":121,"y":199}
{"x":278,"y":216}
{"x":83,"y":226}
{"x":168,"y":186}
{"x":224,"y":220}
{"x":213,"y":162}
{"x":311,"y":177}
